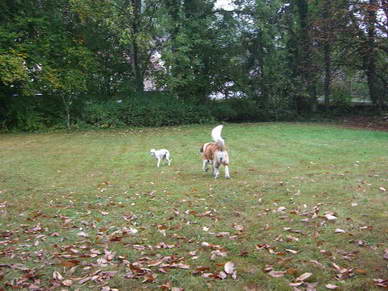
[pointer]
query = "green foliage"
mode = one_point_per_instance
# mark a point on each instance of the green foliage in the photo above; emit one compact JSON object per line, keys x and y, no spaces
{"x":247,"y":110}
{"x":278,"y":54}
{"x":147,"y":110}
{"x":24,"y":115}
{"x":12,"y":68}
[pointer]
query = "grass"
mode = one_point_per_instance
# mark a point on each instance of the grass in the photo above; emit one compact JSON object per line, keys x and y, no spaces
{"x":67,"y":201}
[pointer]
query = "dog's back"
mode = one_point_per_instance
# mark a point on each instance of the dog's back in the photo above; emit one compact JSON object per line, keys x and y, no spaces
{"x":209,"y":149}
{"x":215,"y":153}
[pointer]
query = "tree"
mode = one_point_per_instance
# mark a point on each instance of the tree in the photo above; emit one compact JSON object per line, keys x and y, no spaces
{"x":371,"y":46}
{"x":190,"y":52}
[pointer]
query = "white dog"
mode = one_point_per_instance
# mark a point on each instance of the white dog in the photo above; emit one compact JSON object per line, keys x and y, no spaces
{"x":160,"y":155}
{"x":215,"y":153}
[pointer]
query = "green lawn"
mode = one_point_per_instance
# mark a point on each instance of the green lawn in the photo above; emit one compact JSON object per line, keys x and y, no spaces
{"x":90,"y":209}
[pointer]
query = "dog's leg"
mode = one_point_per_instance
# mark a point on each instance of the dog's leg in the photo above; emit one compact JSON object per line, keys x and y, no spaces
{"x":204,"y":165}
{"x":158,"y":163}
{"x":168,"y":159}
{"x":216,"y":172}
{"x":216,"y":169}
{"x":227,"y":175}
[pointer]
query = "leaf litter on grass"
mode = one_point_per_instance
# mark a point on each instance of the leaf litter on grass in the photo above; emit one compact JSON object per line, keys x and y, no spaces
{"x":302,"y":242}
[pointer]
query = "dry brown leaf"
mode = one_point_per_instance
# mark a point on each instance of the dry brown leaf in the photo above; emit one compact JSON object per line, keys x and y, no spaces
{"x":222,"y":275}
{"x":229,"y":268}
{"x":339,"y":230}
{"x":67,"y":283}
{"x":82,"y":234}
{"x":385,"y":254}
{"x":295,"y":284}
{"x":238,"y":227}
{"x":217,"y":253}
{"x":209,"y":245}
{"x":166,"y":286}
{"x":330,"y":216}
{"x":304,"y":276}
{"x":180,"y":266}
{"x":149,"y":278}
{"x":331,"y":286}
{"x":276,"y":274}
{"x":200,"y":270}
{"x":70,"y":263}
{"x":84,"y":280}
{"x":360,"y":271}
{"x":57,"y":276}
{"x":311,"y":286}
{"x":381,"y":283}
{"x":252,"y":287}
{"x":317,"y":263}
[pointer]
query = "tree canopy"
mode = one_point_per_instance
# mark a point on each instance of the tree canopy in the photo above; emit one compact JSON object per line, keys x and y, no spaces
{"x":60,"y":60}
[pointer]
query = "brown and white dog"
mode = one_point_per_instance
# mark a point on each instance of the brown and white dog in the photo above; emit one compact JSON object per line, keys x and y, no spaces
{"x":215,"y":153}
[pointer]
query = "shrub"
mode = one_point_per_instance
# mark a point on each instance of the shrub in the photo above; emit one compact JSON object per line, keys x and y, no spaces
{"x":147,"y":110}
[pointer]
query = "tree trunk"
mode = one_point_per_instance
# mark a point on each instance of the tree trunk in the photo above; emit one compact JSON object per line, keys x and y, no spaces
{"x":370,"y":56}
{"x":327,"y":53}
{"x":136,"y":66}
{"x":305,"y":62}
{"x":327,"y":82}
{"x":67,"y":103}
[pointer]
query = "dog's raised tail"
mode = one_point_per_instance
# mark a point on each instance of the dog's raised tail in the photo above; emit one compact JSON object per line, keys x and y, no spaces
{"x":216,"y":136}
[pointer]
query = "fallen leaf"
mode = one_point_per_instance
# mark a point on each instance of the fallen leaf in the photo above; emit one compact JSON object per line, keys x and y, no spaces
{"x":331,"y":286}
{"x":330,"y":217}
{"x":238,"y":227}
{"x":166,"y":286}
{"x":222,"y":275}
{"x":296,"y":284}
{"x":303,"y":277}
{"x":180,"y":266}
{"x":339,"y":230}
{"x":229,"y":268}
{"x":82,"y":234}
{"x":317,"y":263}
{"x":386,"y":254}
{"x":217,"y":253}
{"x":360,"y":271}
{"x":277,"y":274}
{"x":67,"y":283}
{"x":381,"y":283}
{"x":149,"y":278}
{"x":57,"y":276}
{"x":200,"y":270}
{"x":70,"y":263}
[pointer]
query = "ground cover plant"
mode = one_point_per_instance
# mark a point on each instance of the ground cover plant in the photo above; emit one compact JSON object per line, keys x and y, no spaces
{"x":306,"y":208}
